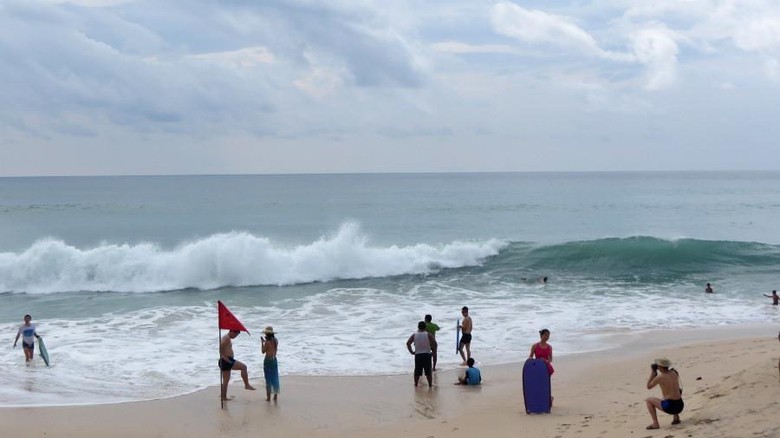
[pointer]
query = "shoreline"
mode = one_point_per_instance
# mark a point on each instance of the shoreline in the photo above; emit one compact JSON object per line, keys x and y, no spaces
{"x":730,"y":380}
{"x":624,"y":342}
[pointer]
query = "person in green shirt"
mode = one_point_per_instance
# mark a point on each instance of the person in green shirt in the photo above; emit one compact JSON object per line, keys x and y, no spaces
{"x":432,"y":328}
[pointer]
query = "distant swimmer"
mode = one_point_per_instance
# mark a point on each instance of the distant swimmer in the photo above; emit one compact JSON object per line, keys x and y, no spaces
{"x":708,"y":289}
{"x":774,"y":297}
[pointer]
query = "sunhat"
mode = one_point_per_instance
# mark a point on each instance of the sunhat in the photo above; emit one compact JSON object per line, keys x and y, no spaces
{"x":268,"y":330}
{"x":663,"y":362}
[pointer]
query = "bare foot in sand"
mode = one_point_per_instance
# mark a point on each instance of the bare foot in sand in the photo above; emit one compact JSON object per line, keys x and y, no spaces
{"x":249,"y":387}
{"x":227,"y":398}
{"x":653,"y":427}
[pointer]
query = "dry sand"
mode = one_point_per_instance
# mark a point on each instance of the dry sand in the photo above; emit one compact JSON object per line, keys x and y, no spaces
{"x":730,"y":377}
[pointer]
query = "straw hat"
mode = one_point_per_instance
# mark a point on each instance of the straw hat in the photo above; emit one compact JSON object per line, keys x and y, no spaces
{"x":268,"y":330}
{"x":663,"y":362}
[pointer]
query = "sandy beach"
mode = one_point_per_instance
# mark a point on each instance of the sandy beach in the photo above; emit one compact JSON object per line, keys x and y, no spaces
{"x":730,"y":378}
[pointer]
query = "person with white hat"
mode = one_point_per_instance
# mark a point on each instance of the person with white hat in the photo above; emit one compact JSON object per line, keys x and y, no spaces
{"x":269,"y":346}
{"x":668,"y":379}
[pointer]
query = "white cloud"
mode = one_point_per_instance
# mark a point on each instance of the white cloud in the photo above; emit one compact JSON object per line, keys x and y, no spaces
{"x":534,"y":26}
{"x":242,"y":58}
{"x":657,"y":49}
{"x":464,"y":48}
{"x":761,"y":34}
{"x":320,"y":82}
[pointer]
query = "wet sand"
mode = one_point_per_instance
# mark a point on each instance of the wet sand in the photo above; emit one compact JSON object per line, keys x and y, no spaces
{"x":730,"y":379}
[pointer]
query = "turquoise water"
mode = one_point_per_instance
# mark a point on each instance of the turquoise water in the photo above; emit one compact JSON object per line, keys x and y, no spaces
{"x":118,"y":270}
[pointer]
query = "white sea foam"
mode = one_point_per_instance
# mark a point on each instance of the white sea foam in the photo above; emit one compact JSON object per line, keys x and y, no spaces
{"x":229,"y":259}
{"x":169,"y":350}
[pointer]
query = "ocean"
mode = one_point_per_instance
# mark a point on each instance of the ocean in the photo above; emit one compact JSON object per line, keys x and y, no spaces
{"x":122,"y":274}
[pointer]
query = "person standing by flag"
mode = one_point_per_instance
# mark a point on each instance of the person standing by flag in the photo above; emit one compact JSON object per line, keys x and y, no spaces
{"x":228,"y":363}
{"x":269,"y":346}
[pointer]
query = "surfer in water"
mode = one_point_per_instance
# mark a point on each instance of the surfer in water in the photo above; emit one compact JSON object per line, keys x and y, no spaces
{"x":774,"y":297}
{"x":708,"y":289}
{"x":28,"y":333}
{"x":465,"y":338}
{"x":228,"y":363}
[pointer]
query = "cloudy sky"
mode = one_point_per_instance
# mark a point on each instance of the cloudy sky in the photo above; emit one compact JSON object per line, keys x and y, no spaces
{"x":284,"y":86}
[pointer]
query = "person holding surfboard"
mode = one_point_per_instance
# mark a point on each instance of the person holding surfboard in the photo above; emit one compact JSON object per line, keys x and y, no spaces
{"x":543,"y":350}
{"x":28,"y":333}
{"x":228,"y":363}
{"x":465,"y":338}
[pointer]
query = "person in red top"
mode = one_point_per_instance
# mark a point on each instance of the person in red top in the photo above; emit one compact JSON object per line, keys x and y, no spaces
{"x":543,"y":350}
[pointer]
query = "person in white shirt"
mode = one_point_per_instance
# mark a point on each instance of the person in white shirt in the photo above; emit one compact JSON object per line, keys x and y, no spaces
{"x":28,"y":333}
{"x":424,"y":348}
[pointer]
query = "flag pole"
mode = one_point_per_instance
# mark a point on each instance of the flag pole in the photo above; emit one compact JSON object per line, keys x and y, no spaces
{"x":221,"y":402}
{"x":219,"y":344}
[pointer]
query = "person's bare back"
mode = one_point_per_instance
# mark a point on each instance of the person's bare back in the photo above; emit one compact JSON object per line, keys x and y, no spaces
{"x":670,"y":385}
{"x":226,"y":347}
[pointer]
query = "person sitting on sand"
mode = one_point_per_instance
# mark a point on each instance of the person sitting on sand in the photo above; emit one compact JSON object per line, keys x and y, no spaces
{"x":774,"y":297}
{"x":669,"y":381}
{"x":708,"y":289}
{"x":227,"y":363}
{"x":472,"y":376}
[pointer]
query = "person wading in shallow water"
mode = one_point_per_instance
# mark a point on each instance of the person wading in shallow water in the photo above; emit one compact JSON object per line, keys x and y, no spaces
{"x":465,"y":339}
{"x":28,"y":333}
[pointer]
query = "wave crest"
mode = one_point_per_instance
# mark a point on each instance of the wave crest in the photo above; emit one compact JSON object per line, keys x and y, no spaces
{"x":227,"y":259}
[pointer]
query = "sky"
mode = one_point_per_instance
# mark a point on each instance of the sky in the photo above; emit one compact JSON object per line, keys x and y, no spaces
{"x":118,"y":87}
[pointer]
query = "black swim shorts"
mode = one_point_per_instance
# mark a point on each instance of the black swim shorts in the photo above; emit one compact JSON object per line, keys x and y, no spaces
{"x":465,"y":339}
{"x":672,"y":407}
{"x":31,"y":345}
{"x":422,"y":364}
{"x":226,"y":365}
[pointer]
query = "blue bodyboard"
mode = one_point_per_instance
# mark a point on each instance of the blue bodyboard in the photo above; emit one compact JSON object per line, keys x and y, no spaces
{"x":537,"y":389}
{"x":457,"y":336}
{"x":44,"y":353}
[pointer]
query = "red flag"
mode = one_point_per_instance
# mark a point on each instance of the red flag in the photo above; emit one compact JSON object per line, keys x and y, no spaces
{"x":227,"y":320}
